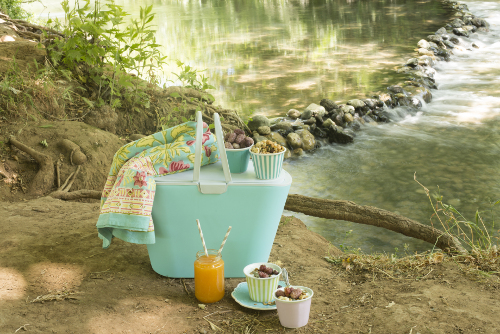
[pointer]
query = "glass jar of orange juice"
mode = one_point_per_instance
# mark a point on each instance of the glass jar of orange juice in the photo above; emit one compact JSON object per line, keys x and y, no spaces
{"x":208,"y":277}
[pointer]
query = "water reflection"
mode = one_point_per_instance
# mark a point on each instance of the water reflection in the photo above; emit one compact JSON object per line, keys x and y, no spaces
{"x":273,"y":55}
{"x":452,"y":146}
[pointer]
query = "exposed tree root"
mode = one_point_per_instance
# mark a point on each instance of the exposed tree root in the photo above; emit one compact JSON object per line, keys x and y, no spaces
{"x":369,"y":215}
{"x":43,"y":181}
{"x":44,"y":178}
{"x":8,"y":174}
{"x":78,"y":194}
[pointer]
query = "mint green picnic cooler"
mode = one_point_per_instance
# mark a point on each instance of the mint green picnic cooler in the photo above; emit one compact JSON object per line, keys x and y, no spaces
{"x":219,"y":199}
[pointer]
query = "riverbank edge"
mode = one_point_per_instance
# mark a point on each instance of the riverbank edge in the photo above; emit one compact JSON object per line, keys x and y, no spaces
{"x":329,"y":122}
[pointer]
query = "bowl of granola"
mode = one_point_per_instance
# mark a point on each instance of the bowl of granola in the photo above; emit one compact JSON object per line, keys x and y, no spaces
{"x":267,"y":158}
{"x":294,"y":305}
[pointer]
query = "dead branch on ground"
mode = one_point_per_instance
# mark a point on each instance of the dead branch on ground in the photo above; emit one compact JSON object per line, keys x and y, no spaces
{"x":369,"y":215}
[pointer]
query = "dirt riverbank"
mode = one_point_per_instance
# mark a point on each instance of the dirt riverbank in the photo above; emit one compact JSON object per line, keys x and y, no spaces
{"x":50,"y":250}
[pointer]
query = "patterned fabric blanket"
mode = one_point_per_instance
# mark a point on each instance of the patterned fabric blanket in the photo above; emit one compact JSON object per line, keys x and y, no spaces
{"x":127,"y":198}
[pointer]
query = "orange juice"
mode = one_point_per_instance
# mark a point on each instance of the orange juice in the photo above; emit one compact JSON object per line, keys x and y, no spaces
{"x":208,"y":277}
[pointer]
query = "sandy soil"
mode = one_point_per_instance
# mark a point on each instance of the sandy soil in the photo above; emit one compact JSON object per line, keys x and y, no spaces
{"x":49,"y":248}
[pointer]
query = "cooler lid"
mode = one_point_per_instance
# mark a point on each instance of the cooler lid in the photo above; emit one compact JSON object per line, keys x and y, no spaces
{"x":213,"y":174}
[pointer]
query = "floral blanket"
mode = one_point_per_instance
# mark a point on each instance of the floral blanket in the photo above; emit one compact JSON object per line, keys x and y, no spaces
{"x":127,"y":198}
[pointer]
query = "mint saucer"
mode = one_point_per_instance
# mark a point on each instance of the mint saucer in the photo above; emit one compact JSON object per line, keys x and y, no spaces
{"x":242,"y":297}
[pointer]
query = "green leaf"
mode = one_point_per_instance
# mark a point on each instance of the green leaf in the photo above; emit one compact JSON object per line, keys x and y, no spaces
{"x":90,"y":103}
{"x":175,"y":94}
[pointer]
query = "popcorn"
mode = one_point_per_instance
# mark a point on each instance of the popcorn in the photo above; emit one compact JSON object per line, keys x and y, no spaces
{"x":267,"y":147}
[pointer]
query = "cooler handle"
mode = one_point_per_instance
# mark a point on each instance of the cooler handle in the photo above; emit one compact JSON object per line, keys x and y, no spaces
{"x":220,"y":143}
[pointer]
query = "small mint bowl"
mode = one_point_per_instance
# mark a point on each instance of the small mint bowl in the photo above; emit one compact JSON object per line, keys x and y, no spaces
{"x":238,"y":159}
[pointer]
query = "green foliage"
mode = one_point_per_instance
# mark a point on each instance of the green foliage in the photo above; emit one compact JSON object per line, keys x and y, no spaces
{"x":190,"y":78}
{"x":103,"y":53}
{"x":14,"y":9}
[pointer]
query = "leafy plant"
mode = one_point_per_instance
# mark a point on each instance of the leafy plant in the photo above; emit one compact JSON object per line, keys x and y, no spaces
{"x":14,"y":9}
{"x":190,"y":78}
{"x":107,"y":58}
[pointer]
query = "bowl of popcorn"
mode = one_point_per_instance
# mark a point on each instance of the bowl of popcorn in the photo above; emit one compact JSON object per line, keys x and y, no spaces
{"x":262,"y":280}
{"x":237,"y":146}
{"x":267,"y":158}
{"x":294,"y":305}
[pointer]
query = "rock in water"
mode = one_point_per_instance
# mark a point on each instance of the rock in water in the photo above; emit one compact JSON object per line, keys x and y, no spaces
{"x":286,"y":126}
{"x":329,"y":105}
{"x":294,"y":140}
{"x":356,"y":103}
{"x":293,"y":113}
{"x":264,"y":130}
{"x":423,"y":44}
{"x":337,"y":135}
{"x":308,"y":140}
{"x":313,"y":110}
{"x":276,"y":137}
{"x":258,"y":121}
{"x":347,"y":109}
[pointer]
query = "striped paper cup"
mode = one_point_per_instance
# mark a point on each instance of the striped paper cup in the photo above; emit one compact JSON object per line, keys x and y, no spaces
{"x":268,"y":166}
{"x":261,"y":289}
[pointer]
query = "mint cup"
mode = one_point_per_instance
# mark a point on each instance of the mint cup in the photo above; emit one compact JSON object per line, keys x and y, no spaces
{"x":294,"y":313}
{"x":268,"y":166}
{"x":238,"y":159}
{"x":261,"y":290}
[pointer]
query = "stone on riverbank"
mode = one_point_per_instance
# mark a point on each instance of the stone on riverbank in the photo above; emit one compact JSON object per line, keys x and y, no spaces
{"x":294,"y":140}
{"x":337,"y":135}
{"x":425,"y":52}
{"x":285,"y":126}
{"x":277,"y":138}
{"x":308,"y":140}
{"x":293,"y":113}
{"x":264,"y":130}
{"x":329,"y":105}
{"x":312,"y":110}
{"x":346,"y":109}
{"x":258,"y":121}
{"x":460,"y":32}
{"x":423,"y":44}
{"x":356,"y":103}
{"x":419,"y":92}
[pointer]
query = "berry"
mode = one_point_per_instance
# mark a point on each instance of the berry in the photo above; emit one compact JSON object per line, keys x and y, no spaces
{"x":248,"y":141}
{"x":231,"y":137}
{"x":280,"y":293}
{"x":263,"y":274}
{"x":239,"y":131}
{"x":239,"y":139}
{"x":295,"y":294}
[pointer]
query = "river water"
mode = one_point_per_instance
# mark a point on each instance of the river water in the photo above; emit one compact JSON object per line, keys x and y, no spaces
{"x":267,"y":56}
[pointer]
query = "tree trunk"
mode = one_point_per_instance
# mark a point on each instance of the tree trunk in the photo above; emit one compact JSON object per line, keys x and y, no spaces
{"x":369,"y":215}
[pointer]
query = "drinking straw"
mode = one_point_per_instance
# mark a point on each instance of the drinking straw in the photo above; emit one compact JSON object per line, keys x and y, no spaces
{"x":224,"y":241}
{"x":202,"y":240}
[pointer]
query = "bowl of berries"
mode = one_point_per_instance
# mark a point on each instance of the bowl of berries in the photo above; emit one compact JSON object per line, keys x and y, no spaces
{"x":262,"y":280}
{"x":237,"y":146}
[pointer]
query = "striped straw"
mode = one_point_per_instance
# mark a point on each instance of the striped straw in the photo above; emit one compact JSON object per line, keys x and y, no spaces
{"x":202,"y":240}
{"x":224,"y":241}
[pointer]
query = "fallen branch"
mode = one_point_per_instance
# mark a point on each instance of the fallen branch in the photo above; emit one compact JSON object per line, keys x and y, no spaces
{"x":369,"y":215}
